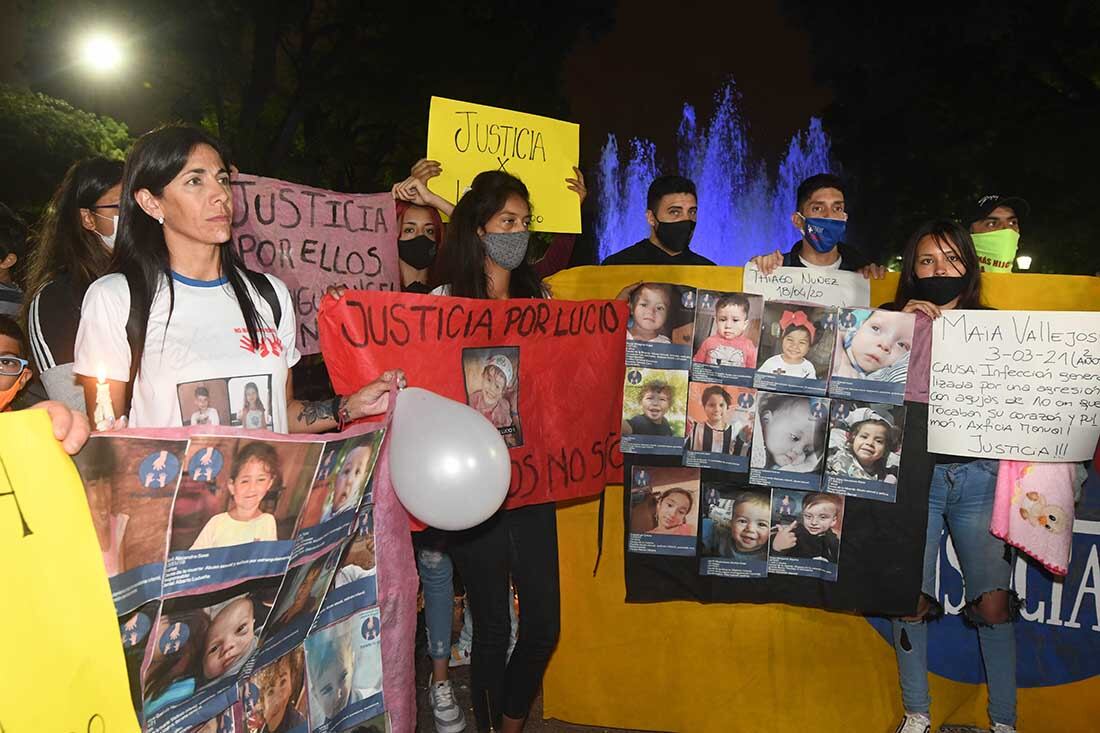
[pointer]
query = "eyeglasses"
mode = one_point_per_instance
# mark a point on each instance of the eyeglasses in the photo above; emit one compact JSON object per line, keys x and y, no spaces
{"x":12,"y":366}
{"x":104,"y":206}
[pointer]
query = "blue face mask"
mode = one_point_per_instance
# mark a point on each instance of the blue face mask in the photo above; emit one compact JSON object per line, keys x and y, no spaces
{"x":823,"y":234}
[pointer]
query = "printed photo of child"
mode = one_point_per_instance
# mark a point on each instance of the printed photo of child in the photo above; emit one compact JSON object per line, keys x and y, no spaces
{"x":864,"y":449}
{"x":355,"y":467}
{"x":717,"y":423}
{"x":344,"y":672}
{"x":492,"y":388}
{"x":798,"y":342}
{"x":664,"y":515}
{"x":871,"y":359}
{"x":735,"y":544}
{"x":788,"y":447}
{"x":250,"y":401}
{"x":254,"y":472}
{"x":280,"y":699}
{"x":654,"y":411}
{"x":650,"y":304}
{"x":727,"y":333}
{"x":205,"y":402}
{"x":302,"y":591}
{"x":204,"y":414}
{"x":813,"y":535}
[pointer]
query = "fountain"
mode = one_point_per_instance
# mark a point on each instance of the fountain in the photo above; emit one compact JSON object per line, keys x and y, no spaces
{"x":742,"y":212}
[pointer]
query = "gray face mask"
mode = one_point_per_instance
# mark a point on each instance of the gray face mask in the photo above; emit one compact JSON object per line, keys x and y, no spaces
{"x":507,"y":250}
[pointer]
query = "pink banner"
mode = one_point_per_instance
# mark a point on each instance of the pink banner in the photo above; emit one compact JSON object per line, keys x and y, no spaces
{"x":311,"y":239}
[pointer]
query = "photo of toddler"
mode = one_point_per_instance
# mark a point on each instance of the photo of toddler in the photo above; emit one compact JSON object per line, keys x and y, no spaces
{"x":656,"y":399}
{"x":664,"y":510}
{"x":492,"y":388}
{"x":865,"y":449}
{"x":797,"y":335}
{"x":749,"y":530}
{"x":815,"y":534}
{"x":204,"y":414}
{"x":791,"y":433}
{"x":649,"y":310}
{"x":254,"y":472}
{"x":355,"y":466}
{"x":725,"y":342}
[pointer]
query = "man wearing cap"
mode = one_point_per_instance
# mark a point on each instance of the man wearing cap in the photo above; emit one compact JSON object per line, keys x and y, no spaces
{"x":822,"y":219}
{"x":995,"y":227}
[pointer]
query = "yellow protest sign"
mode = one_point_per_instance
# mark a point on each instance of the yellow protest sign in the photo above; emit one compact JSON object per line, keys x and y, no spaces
{"x":63,"y":668}
{"x":470,"y":138}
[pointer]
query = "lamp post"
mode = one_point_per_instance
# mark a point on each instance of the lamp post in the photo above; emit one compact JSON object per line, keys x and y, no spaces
{"x":1023,"y":263}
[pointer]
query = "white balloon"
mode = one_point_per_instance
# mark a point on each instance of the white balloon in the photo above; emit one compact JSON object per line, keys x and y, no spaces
{"x":448,"y":464}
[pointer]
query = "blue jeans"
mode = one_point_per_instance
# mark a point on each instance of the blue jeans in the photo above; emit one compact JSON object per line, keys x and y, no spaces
{"x":437,"y":578}
{"x":960,"y":498}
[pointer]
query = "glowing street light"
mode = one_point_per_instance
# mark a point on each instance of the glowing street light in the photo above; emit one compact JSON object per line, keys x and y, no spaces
{"x":1023,"y":262}
{"x":101,"y":53}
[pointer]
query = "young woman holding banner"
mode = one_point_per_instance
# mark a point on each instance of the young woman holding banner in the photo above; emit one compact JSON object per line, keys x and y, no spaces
{"x":199,"y":315}
{"x":940,"y":272}
{"x":486,"y":255}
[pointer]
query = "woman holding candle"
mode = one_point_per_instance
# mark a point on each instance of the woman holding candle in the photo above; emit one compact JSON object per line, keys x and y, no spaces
{"x":198,"y":314}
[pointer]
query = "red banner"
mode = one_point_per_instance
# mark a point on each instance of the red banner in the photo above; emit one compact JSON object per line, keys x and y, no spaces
{"x":547,"y":373}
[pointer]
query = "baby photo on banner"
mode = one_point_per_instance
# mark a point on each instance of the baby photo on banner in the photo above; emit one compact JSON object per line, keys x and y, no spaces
{"x":664,"y":510}
{"x":275,"y":698}
{"x":659,"y":330}
{"x":719,"y":426}
{"x":864,"y":449}
{"x":492,"y":388}
{"x":236,"y":510}
{"x":654,"y":411}
{"x":788,"y":447}
{"x":735,"y":528}
{"x":129,"y":483}
{"x":344,"y":672}
{"x":807,"y":530}
{"x":727,"y":337}
{"x":871,"y":359}
{"x":796,"y":348}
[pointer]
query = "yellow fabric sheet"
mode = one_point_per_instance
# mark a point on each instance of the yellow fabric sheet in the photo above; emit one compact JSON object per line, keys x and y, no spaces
{"x":682,"y":666}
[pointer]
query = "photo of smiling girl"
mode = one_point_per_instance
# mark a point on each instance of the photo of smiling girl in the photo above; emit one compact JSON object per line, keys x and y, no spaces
{"x":797,"y":341}
{"x":664,"y":515}
{"x":864,"y":449}
{"x":255,"y":471}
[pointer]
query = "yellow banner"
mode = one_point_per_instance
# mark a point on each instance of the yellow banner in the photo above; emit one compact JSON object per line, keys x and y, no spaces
{"x":470,"y":138}
{"x":62,"y":668}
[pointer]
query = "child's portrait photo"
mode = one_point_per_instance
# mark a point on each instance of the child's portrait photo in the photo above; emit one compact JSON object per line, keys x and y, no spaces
{"x":346,"y":481}
{"x":727,"y":329}
{"x":358,"y":561}
{"x":661,"y":313}
{"x":303,"y":589}
{"x":250,"y":402}
{"x":343,"y":669}
{"x":736,"y":531}
{"x":204,"y":402}
{"x":256,"y":496}
{"x":789,"y":440}
{"x":809,"y":528}
{"x":864,"y":454}
{"x":719,"y":419}
{"x":796,"y":347}
{"x":492,"y":388}
{"x":665,"y":501}
{"x":871,"y":358}
{"x":280,"y":703}
{"x":655,"y":405}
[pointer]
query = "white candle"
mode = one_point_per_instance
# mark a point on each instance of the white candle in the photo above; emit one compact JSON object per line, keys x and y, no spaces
{"x":104,"y":410}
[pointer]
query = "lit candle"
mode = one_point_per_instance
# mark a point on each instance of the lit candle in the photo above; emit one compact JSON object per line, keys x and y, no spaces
{"x":104,"y":410}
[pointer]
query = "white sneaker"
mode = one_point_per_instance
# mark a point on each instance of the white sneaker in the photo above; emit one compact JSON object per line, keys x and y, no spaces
{"x":1002,"y":728}
{"x":448,"y":715}
{"x":460,"y":656}
{"x":915,"y":723}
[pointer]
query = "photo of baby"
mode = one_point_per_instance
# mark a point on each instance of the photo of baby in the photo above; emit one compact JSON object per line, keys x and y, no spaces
{"x":660,"y":326}
{"x":204,"y":403}
{"x":736,"y":531}
{"x":664,"y":513}
{"x":871,"y":359}
{"x":654,"y":411}
{"x":727,"y":336}
{"x":797,"y":343}
{"x":864,"y":449}
{"x":355,"y":468}
{"x":492,"y":388}
{"x":809,"y":543}
{"x":719,"y":426}
{"x":280,"y":704}
{"x":250,"y":401}
{"x":344,"y":672}
{"x":788,"y":448}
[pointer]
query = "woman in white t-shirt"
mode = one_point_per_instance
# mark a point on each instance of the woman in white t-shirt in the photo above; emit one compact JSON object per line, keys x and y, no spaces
{"x":200,"y":315}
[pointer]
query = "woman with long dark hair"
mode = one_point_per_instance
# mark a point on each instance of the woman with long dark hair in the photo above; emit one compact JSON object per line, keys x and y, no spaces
{"x":72,"y":247}
{"x":180,"y":307}
{"x":940,"y":272}
{"x":486,"y":257}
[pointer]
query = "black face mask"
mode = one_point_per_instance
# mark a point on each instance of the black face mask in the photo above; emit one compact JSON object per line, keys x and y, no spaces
{"x":939,"y":289}
{"x":417,"y":252}
{"x":675,"y":235}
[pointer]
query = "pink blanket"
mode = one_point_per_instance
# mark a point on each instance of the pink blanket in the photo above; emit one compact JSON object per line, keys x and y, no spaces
{"x":1033,"y":510}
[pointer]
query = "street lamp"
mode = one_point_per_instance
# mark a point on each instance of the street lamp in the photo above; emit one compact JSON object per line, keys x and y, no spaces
{"x":100,"y":52}
{"x":1023,"y":262}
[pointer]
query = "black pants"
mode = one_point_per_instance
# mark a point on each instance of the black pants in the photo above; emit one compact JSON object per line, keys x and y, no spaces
{"x":521,"y":543}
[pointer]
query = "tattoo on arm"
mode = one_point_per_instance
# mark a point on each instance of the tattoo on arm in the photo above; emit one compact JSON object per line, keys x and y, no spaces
{"x":311,"y":412}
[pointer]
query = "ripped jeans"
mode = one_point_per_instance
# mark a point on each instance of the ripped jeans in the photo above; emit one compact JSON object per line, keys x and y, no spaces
{"x":437,"y":577}
{"x":961,"y":498}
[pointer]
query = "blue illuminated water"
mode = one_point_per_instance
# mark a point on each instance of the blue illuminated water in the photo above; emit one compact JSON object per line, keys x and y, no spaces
{"x":743,"y":209}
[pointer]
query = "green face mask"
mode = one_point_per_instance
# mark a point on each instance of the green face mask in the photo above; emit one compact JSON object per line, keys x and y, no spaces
{"x":996,"y":250}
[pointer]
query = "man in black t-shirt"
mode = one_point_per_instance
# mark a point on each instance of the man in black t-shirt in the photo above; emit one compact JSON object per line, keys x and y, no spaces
{"x":671,"y":205}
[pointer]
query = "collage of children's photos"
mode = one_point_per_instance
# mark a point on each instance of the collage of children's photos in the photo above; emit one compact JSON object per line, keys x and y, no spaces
{"x":805,"y":399}
{"x":243,"y":572}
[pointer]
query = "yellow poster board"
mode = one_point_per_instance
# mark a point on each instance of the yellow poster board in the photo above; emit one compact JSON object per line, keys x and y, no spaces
{"x":470,"y":138}
{"x":682,"y":666}
{"x":62,"y":668}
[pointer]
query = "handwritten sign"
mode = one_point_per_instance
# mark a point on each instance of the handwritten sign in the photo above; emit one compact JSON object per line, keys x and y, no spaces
{"x":311,"y":238}
{"x":806,"y":285}
{"x":57,"y":623}
{"x":1015,"y":385}
{"x":559,"y":416}
{"x":470,"y":138}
